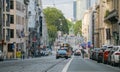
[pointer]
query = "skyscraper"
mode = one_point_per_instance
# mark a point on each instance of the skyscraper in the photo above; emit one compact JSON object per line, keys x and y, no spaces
{"x":80,"y":8}
{"x":74,"y":10}
{"x":88,"y":4}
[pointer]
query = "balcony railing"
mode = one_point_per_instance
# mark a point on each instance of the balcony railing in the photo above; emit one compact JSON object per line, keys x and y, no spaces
{"x":112,"y":16}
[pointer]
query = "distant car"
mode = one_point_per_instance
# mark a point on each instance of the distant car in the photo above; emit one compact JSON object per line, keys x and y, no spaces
{"x":77,"y":52}
{"x":61,"y":53}
{"x":1,"y":56}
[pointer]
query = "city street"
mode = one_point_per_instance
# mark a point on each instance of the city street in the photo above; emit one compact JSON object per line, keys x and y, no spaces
{"x":50,"y":64}
{"x":79,"y":64}
{"x":43,"y":64}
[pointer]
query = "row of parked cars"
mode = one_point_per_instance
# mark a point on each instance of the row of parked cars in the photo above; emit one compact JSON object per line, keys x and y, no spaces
{"x":106,"y":54}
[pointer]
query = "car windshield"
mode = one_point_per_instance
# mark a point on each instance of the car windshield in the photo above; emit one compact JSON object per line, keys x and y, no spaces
{"x":62,"y":50}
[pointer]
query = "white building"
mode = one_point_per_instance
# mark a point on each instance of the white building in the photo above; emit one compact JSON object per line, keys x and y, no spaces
{"x":31,"y":13}
{"x":81,"y":7}
{"x":85,"y":26}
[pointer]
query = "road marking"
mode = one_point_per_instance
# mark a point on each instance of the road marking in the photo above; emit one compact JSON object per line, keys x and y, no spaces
{"x":67,"y":65}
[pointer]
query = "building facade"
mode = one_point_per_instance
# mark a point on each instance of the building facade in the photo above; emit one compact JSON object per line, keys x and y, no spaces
{"x":85,"y":26}
{"x":112,"y":18}
{"x":38,"y":36}
{"x":6,"y":26}
{"x":107,"y":23}
{"x":80,"y":9}
{"x":13,"y":27}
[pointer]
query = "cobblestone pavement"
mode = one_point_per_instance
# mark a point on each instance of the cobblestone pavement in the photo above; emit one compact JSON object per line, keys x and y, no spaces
{"x":42,"y":64}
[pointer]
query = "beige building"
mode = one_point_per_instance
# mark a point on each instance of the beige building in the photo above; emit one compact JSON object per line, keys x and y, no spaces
{"x":14,"y":26}
{"x":99,"y":25}
{"x":85,"y":25}
{"x":101,"y":28}
{"x":107,"y":31}
{"x":112,"y":19}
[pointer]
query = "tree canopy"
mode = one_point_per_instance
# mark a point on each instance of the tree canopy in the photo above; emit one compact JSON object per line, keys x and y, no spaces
{"x":78,"y":27}
{"x":69,"y":24}
{"x":55,"y":21}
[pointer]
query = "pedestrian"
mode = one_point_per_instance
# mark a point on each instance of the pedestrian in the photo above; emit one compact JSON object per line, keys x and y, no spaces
{"x":22,"y":54}
{"x":83,"y":52}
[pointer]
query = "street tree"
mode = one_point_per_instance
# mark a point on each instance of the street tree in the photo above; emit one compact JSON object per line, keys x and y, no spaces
{"x":70,"y":24}
{"x":78,"y":27}
{"x":55,"y":22}
{"x":55,"y":17}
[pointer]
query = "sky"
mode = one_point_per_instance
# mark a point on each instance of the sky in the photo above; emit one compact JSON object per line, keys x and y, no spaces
{"x":66,"y":6}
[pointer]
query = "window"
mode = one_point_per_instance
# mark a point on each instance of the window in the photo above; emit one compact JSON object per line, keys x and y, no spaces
{"x":12,"y":19}
{"x":12,"y":33}
{"x":11,"y":4}
{"x":18,"y":6}
{"x":10,"y":47}
{"x":108,"y":35}
{"x":4,"y":34}
{"x":22,"y":20}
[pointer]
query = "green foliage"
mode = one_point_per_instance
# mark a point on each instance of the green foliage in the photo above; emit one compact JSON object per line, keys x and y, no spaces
{"x":78,"y":27}
{"x":69,"y":24}
{"x":107,"y":13}
{"x":52,"y":32}
{"x":55,"y":22}
{"x":55,"y":17}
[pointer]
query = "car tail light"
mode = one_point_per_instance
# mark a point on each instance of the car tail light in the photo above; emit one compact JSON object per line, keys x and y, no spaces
{"x":117,"y":53}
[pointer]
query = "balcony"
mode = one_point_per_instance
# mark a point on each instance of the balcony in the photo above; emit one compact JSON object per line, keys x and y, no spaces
{"x":111,"y":16}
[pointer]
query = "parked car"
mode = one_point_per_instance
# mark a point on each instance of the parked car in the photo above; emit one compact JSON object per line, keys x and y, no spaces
{"x":115,"y":56}
{"x":109,"y":55}
{"x":100,"y":55}
{"x":61,"y":53}
{"x":106,"y":53}
{"x":95,"y":53}
{"x":1,"y":56}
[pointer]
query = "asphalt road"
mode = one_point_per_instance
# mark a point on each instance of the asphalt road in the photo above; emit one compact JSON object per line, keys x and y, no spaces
{"x":43,"y":64}
{"x":79,"y":64}
{"x":51,"y":64}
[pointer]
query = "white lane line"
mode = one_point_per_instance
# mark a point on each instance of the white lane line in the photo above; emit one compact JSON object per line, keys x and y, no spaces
{"x":67,"y":65}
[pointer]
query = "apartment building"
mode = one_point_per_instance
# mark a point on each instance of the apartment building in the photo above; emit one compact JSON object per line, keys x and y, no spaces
{"x":85,"y":26}
{"x":112,"y":19}
{"x":13,"y":27}
{"x":38,"y":35}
